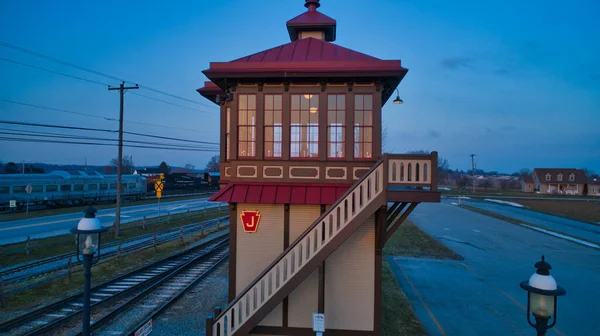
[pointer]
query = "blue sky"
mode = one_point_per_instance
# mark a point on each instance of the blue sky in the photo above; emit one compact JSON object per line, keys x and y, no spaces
{"x":517,"y":83}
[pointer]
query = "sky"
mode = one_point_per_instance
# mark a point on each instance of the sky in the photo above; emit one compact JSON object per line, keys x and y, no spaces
{"x":517,"y":83}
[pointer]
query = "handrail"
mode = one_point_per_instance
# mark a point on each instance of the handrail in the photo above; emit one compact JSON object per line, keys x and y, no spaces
{"x":308,"y":247}
{"x":413,"y":170}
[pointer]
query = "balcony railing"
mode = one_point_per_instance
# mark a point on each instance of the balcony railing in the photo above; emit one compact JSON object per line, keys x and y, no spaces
{"x":416,"y":171}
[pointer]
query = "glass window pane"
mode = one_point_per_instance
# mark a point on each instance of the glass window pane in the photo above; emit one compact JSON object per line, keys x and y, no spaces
{"x":331,"y":102}
{"x":295,"y":117}
{"x":277,"y":102}
{"x":304,"y":116}
{"x":295,"y":102}
{"x":341,"y":117}
{"x":65,"y":187}
{"x":243,"y":134}
{"x":51,"y":188}
{"x":314,"y":116}
{"x":268,"y":102}
{"x":269,"y":134}
{"x":358,"y":102}
{"x":95,"y":186}
{"x":341,"y":102}
{"x":358,"y":117}
{"x":243,"y":102}
{"x":242,"y":149}
{"x":251,"y":102}
{"x":331,"y":117}
{"x":4,"y":189}
{"x":368,"y":102}
{"x":314,"y":101}
{"x":304,"y":102}
{"x":251,"y":117}
{"x":277,"y":118}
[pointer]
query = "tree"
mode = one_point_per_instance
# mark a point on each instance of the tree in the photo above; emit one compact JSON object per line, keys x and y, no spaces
{"x":189,"y":166}
{"x":462,"y":182}
{"x":384,"y":138}
{"x":126,"y":164}
{"x":164,"y":168}
{"x":486,"y":183}
{"x":443,"y":164}
{"x":525,"y":172}
{"x":11,"y":168}
{"x":588,"y":173}
{"x":213,"y":164}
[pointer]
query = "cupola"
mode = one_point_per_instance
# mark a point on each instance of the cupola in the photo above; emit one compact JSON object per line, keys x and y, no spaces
{"x":312,"y":23}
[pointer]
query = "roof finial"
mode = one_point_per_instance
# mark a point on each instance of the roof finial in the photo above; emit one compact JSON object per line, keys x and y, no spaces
{"x":312,"y":5}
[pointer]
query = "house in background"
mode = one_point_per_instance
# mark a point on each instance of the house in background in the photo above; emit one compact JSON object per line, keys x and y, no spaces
{"x":593,"y":187}
{"x":566,"y":181}
{"x":527,"y":183}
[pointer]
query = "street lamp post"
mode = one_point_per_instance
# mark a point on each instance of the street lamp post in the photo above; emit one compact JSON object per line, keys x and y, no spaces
{"x":88,"y":233}
{"x":542,"y":293}
{"x":398,"y":100}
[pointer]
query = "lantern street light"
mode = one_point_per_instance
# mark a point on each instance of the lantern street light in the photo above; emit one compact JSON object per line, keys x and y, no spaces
{"x":398,"y":100}
{"x":542,"y":292}
{"x":88,"y":233}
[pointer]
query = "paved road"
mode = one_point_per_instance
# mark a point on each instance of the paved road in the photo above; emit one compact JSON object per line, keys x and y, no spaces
{"x":547,"y":198}
{"x":573,"y":228}
{"x":480,"y":295}
{"x":15,"y":231}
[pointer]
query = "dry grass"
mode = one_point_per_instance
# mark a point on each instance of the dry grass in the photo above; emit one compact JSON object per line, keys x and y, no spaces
{"x":577,"y":210}
{"x":411,"y":241}
{"x":54,"y":290}
{"x":49,"y":247}
{"x":61,"y":211}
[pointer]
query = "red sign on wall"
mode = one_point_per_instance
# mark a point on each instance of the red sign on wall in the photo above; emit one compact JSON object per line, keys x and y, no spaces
{"x":250,"y":220}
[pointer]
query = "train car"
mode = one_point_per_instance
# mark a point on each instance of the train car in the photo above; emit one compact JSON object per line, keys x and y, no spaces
{"x":67,"y":188}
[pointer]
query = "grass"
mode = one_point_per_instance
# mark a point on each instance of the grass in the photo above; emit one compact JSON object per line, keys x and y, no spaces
{"x":398,"y":318}
{"x":411,"y":241}
{"x":49,"y":247}
{"x":51,"y":291}
{"x":578,"y":210}
{"x":61,"y":211}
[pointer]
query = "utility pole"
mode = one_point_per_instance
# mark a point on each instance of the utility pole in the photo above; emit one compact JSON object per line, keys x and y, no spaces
{"x":473,"y":170}
{"x":121,"y":89}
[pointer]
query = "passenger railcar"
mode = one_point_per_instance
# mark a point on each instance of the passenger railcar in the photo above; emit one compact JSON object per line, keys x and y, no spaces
{"x":67,"y":188}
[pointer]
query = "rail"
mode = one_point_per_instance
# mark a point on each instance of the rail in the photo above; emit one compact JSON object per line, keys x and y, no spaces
{"x":407,"y":170}
{"x":302,"y":251}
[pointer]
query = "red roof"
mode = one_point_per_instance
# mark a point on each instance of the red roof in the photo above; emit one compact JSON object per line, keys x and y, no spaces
{"x":280,"y":193}
{"x":311,"y":18}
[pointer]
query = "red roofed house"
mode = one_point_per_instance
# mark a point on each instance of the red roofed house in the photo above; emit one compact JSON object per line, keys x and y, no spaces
{"x":307,"y":184}
{"x":565,"y":181}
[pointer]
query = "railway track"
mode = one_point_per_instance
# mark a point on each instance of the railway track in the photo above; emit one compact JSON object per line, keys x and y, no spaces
{"x":60,"y":263}
{"x":159,"y":282}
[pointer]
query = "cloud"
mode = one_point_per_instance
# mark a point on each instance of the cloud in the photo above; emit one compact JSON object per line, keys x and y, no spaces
{"x":456,"y":63}
{"x":434,"y":134}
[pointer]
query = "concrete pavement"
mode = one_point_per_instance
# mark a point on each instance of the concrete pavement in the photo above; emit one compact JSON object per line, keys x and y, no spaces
{"x":587,"y":231}
{"x":40,"y":227}
{"x":480,"y":295}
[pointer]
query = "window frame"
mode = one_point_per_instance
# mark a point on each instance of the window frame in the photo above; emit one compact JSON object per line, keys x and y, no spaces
{"x":572,"y":177}
{"x":273,"y":126}
{"x":362,"y":127}
{"x":310,"y":129}
{"x":341,"y":140}
{"x":548,"y":177}
{"x":246,"y":126}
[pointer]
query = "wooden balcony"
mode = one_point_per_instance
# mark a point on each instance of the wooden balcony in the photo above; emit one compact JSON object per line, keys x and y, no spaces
{"x":412,"y":178}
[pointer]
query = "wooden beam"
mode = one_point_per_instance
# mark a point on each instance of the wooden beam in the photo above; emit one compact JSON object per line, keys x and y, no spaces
{"x":399,"y":221}
{"x":396,"y":212}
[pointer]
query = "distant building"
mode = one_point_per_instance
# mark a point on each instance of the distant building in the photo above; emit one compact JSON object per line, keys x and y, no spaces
{"x":593,"y":187}
{"x":214,"y":177}
{"x":564,"y":181}
{"x":527,"y":184}
{"x":147,"y":172}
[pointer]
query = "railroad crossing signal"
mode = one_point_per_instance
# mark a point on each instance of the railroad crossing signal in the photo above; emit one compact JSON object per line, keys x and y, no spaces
{"x":29,"y":188}
{"x":159,"y":186}
{"x":162,"y":176}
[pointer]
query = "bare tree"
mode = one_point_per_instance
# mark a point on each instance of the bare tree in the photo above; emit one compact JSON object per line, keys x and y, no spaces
{"x":164,"y":168}
{"x":213,"y":164}
{"x":525,"y":172}
{"x":486,"y":183}
{"x":126,"y":164}
{"x":384,"y":138}
{"x":443,"y":164}
{"x":189,"y":166}
{"x":588,"y":172}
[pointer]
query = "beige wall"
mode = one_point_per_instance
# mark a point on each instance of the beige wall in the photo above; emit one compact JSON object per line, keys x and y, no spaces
{"x":350,"y":281}
{"x":303,"y":301}
{"x":255,"y":251}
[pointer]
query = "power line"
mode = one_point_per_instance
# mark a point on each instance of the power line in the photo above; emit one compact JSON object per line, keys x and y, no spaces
{"x":67,"y":136}
{"x":170,"y":103}
{"x":57,"y":110}
{"x":99,"y":144}
{"x":54,"y":72}
{"x":27,"y":51}
{"x":101,"y":117}
{"x":102,"y":130}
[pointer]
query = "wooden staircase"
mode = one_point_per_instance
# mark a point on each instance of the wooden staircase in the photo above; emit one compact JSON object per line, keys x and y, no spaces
{"x":322,"y":238}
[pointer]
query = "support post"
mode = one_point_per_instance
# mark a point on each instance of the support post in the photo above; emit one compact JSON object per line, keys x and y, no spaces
{"x":87,"y":276}
{"x":209,"y":325}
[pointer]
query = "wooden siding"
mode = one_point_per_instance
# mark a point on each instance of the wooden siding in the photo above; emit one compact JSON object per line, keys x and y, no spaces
{"x":303,"y":301}
{"x":255,"y":251}
{"x":350,"y":281}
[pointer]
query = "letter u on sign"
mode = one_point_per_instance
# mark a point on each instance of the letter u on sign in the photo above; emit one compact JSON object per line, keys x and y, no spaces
{"x":250,"y":220}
